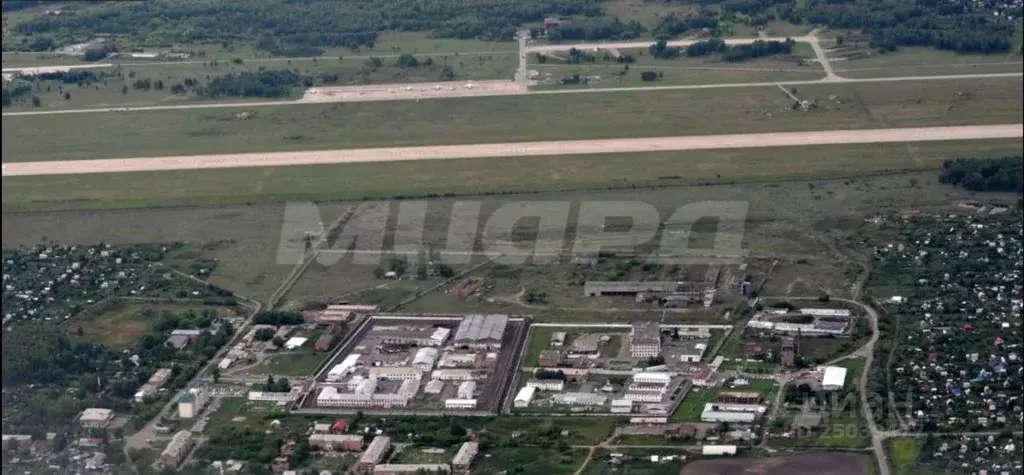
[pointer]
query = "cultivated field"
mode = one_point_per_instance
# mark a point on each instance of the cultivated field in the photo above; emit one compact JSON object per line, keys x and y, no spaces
{"x":511,"y":119}
{"x":806,"y":464}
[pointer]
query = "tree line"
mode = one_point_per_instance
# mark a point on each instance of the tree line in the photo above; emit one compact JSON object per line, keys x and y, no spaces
{"x":984,"y":174}
{"x":730,"y":53}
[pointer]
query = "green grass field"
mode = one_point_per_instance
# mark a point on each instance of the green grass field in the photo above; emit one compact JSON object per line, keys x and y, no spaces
{"x":863,"y":62}
{"x":903,"y":453}
{"x":122,"y":324}
{"x":509,"y":119}
{"x":840,"y":429}
{"x":479,"y":176}
{"x":680,"y":71}
{"x":352,"y":70}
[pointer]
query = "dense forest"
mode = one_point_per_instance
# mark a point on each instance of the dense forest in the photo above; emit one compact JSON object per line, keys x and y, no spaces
{"x":304,"y":27}
{"x":984,"y":174}
{"x":298,"y":23}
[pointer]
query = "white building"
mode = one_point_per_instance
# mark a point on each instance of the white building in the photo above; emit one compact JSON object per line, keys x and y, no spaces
{"x":718,"y":450}
{"x":460,"y":404}
{"x":340,"y":370}
{"x":825,"y":312}
{"x":225,"y":364}
{"x":622,"y":406}
{"x":547,"y":384}
{"x":263,"y":396}
{"x":425,"y":358}
{"x":458,"y":360}
{"x":434,"y":386}
{"x":741,"y":413}
{"x":466,"y":390}
{"x":652,"y":378}
{"x":191,"y":403}
{"x":834,"y":378}
{"x":693,"y":353}
{"x":295,"y":342}
{"x":454,"y":374}
{"x":642,"y":396}
{"x":524,"y":397}
{"x":579,"y":399}
{"x":396,"y":373}
{"x":409,"y":388}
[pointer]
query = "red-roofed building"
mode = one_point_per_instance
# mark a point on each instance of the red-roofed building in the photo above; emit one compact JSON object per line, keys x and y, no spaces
{"x":340,"y":425}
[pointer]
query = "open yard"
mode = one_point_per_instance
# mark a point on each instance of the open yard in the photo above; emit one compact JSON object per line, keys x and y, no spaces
{"x":530,"y":460}
{"x":843,"y":425}
{"x":861,"y":62}
{"x":903,"y":453}
{"x":693,"y":404}
{"x":123,"y":323}
{"x":510,"y":119}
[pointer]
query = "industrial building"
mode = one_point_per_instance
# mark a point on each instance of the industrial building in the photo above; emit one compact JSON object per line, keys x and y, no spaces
{"x":626,"y":289}
{"x":396,"y":373}
{"x":177,"y":449}
{"x":742,"y":413}
{"x":834,"y":378}
{"x":415,"y":335}
{"x":739,"y":397}
{"x":718,"y":450}
{"x":340,"y":370}
{"x":460,"y":403}
{"x":413,"y":468}
{"x":425,"y":358}
{"x":459,"y":360}
{"x":547,"y":384}
{"x":692,"y":351}
{"x":455,"y":374}
{"x":95,"y":418}
{"x":466,"y":390}
{"x":481,"y":331}
{"x":374,"y":454}
{"x":645,"y":340}
{"x":330,"y":397}
{"x":579,"y":399}
{"x":652,"y":378}
{"x":622,"y":406}
{"x":336,"y":442}
{"x":464,"y":458}
{"x":524,"y":397}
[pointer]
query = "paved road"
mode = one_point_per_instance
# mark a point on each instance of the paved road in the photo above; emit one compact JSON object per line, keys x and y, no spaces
{"x":522,"y":149}
{"x":221,"y":105}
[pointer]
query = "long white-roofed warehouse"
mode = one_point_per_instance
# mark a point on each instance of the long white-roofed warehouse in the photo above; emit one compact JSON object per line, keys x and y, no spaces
{"x":481,"y":331}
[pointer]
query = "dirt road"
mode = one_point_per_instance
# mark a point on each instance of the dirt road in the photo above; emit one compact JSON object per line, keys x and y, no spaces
{"x":522,"y":149}
{"x":648,"y":43}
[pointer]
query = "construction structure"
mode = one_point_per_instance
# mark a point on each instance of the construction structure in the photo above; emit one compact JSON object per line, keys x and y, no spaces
{"x":95,"y":418}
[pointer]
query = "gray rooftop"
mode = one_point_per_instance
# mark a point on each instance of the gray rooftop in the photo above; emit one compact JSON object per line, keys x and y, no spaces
{"x":479,"y":328}
{"x":645,"y":333}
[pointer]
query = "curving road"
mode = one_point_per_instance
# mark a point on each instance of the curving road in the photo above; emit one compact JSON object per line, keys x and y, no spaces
{"x":522,"y":149}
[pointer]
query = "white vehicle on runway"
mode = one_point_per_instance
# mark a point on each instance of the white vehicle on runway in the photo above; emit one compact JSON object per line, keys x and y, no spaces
{"x":469,"y":85}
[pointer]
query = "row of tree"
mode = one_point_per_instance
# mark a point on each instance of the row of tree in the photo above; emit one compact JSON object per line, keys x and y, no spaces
{"x":730,"y":53}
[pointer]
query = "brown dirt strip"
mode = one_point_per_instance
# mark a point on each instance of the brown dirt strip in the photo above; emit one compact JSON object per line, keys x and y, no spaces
{"x":522,"y":149}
